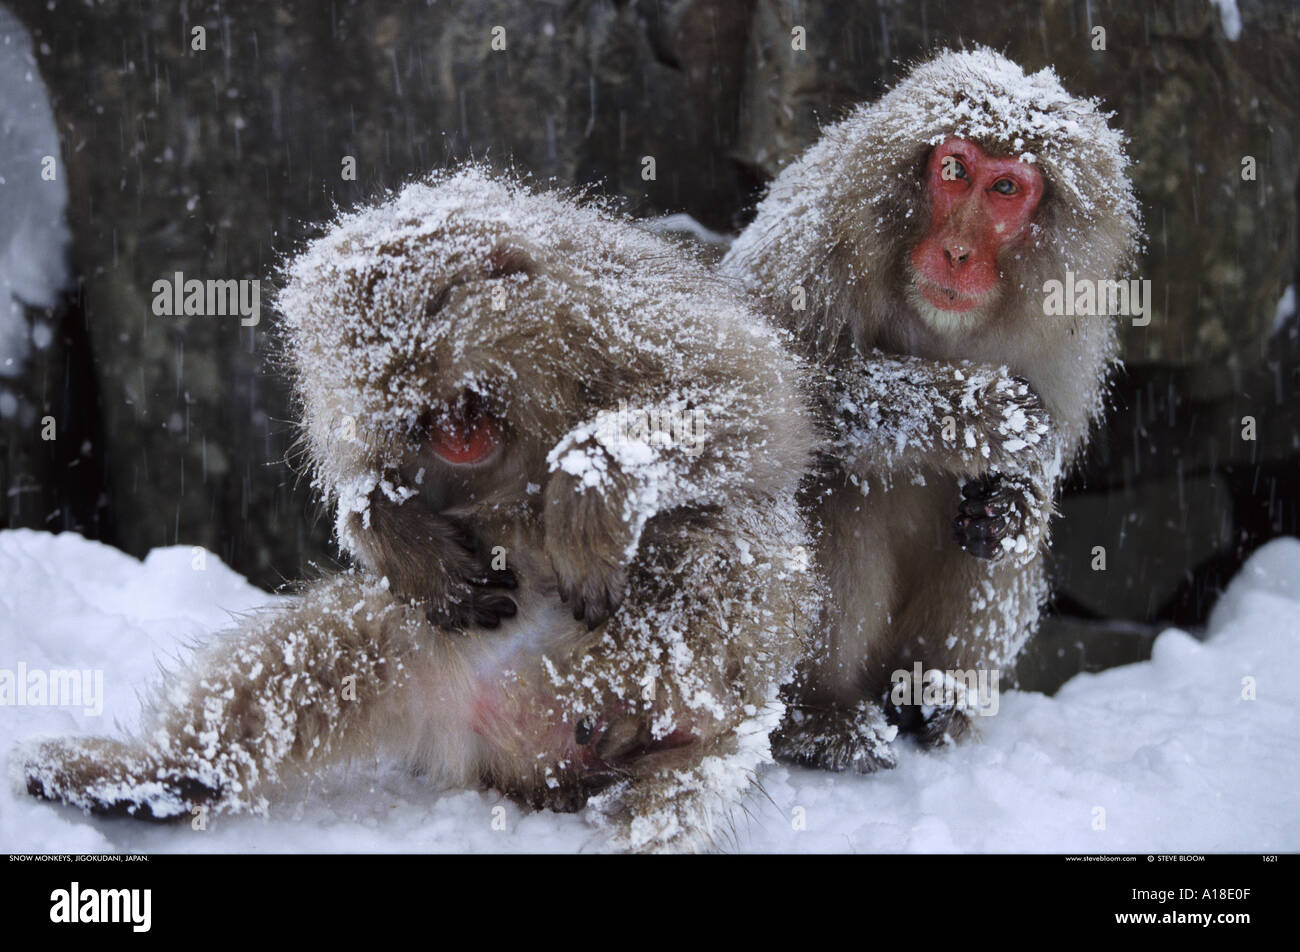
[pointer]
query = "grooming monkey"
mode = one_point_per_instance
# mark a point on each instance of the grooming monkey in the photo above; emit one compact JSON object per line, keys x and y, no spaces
{"x":565,"y":458}
{"x":908,"y":251}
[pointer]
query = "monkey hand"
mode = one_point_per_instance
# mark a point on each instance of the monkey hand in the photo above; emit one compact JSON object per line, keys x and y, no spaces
{"x":106,"y":777}
{"x":1001,"y":516}
{"x":451,"y":578}
{"x":474,"y":597}
{"x":588,"y":540}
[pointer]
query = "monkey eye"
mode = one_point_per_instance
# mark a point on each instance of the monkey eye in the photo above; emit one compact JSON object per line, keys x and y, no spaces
{"x":951,"y":169}
{"x":1004,"y":186}
{"x":464,"y":433}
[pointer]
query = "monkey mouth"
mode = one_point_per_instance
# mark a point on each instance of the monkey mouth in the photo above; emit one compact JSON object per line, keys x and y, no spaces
{"x":946,"y":299}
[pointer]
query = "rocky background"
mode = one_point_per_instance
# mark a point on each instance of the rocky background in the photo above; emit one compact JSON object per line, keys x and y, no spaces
{"x":215,"y":162}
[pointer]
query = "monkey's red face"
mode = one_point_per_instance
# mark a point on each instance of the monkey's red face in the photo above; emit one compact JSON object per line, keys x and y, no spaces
{"x":979,"y":205}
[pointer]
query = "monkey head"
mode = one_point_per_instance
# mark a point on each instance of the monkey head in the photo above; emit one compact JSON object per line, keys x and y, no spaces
{"x":447,"y":344}
{"x":439,"y":350}
{"x":935,"y":214}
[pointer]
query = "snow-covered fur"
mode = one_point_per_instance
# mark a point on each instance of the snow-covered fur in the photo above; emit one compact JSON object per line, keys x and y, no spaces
{"x":1001,"y":400}
{"x":603,"y":608}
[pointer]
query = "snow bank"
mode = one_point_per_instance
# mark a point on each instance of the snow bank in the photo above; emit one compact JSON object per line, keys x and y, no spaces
{"x":1169,"y":749}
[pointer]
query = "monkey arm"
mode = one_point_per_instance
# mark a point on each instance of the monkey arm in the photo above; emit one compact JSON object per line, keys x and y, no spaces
{"x":891,"y":414}
{"x":902,"y":414}
{"x":610,"y":475}
{"x":291,"y":687}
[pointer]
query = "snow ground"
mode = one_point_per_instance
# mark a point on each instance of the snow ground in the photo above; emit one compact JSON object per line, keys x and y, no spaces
{"x":1169,"y":749}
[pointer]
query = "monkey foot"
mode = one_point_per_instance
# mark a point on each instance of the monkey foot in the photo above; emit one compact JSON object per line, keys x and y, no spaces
{"x":943,"y":726}
{"x":609,"y":749}
{"x":939,"y":724}
{"x":622,"y":739}
{"x":835,"y":738}
{"x":567,"y":796}
{"x":593,"y":600}
{"x":111,"y":779}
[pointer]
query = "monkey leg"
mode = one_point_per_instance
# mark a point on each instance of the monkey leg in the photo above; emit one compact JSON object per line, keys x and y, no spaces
{"x":677,"y":793}
{"x":834,"y":719}
{"x":961,"y":632}
{"x":292,"y":687}
{"x":673,"y":701}
{"x":656,"y":774}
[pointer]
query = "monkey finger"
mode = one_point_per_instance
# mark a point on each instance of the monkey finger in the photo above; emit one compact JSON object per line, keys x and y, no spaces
{"x":981,"y":538}
{"x":489,"y":611}
{"x":993,"y":507}
{"x":989,"y":549}
{"x":985,"y":485}
{"x":964,"y":524}
{"x":993,"y":527}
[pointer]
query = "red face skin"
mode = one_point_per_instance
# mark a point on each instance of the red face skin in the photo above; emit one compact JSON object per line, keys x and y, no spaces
{"x":465,"y":434}
{"x":981,"y":206}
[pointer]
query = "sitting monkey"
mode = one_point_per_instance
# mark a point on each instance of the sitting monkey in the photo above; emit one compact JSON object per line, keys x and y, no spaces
{"x":565,"y":460}
{"x":913,"y":250}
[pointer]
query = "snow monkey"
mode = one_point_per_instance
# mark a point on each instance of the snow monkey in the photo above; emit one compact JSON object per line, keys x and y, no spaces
{"x":910,"y":250}
{"x":565,"y":457}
